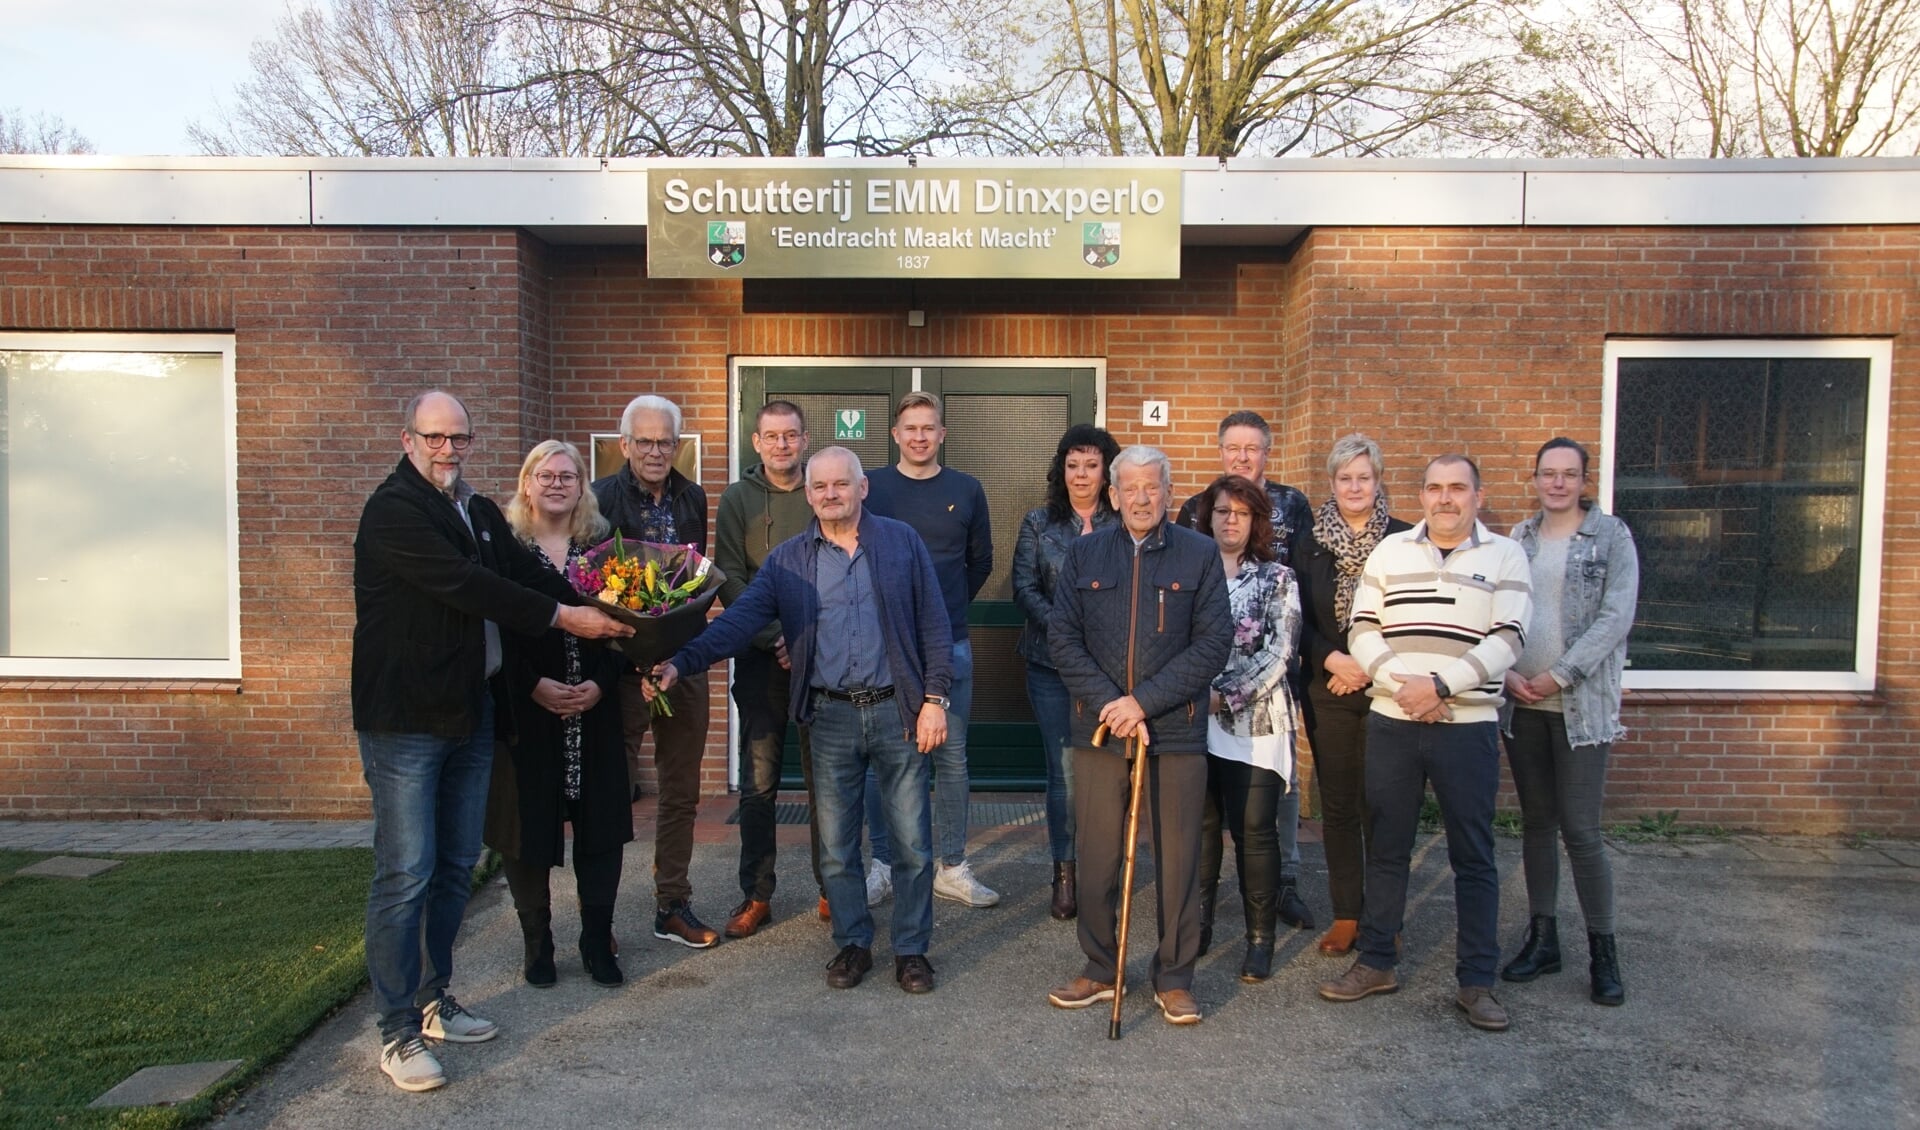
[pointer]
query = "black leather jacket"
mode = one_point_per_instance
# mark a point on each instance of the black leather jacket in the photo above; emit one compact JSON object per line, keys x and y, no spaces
{"x":1037,"y":555}
{"x":1159,"y":614}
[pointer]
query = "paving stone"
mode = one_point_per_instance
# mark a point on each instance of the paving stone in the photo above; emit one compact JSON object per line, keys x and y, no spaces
{"x":1906,"y":855}
{"x":165,"y":1085}
{"x":1718,"y":849}
{"x":1794,"y":851}
{"x":68,"y":867}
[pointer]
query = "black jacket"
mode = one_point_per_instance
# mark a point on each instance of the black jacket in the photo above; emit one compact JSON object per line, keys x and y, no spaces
{"x":1321,"y":633}
{"x":1037,"y":555}
{"x":619,"y":497}
{"x":1172,"y":596}
{"x":423,"y":588}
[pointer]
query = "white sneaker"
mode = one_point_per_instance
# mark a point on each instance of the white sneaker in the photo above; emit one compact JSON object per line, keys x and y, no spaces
{"x":958,"y":884}
{"x":879,"y":882}
{"x":444,"y":1019}
{"x":411,"y":1066}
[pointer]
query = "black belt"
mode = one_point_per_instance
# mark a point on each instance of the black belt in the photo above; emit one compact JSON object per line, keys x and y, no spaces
{"x":872,"y":696}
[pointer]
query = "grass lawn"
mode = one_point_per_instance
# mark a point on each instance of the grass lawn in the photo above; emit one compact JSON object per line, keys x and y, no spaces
{"x":170,"y":958}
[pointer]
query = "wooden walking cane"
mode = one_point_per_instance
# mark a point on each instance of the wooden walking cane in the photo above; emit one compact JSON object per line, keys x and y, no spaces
{"x":1137,"y":751}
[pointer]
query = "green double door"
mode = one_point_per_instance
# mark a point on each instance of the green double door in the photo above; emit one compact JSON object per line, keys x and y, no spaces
{"x":1003,"y":423}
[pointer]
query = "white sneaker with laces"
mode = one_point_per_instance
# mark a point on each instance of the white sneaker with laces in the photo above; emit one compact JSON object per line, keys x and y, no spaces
{"x":879,"y":882}
{"x":958,"y":884}
{"x":411,"y":1066}
{"x":444,"y":1019}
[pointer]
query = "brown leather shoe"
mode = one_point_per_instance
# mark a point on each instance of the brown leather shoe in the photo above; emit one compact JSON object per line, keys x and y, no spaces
{"x":1177,"y":1006}
{"x":1483,"y":1012}
{"x":1080,"y":992}
{"x":677,"y":923}
{"x":748,"y":917}
{"x":1341,"y":937}
{"x":914,"y":973}
{"x":1359,"y":981}
{"x":1066,"y":898}
{"x":849,"y":966}
{"x":826,"y":915}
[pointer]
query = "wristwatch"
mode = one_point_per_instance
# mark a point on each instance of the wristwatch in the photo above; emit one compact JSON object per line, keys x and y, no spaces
{"x":941,"y":701}
{"x":1440,"y":685}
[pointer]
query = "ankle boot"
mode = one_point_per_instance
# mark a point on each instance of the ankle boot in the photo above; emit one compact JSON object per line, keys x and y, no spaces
{"x":536,"y":931}
{"x":1066,"y":899}
{"x":1341,"y":937}
{"x":1207,"y":892}
{"x":1540,"y":953}
{"x":1293,"y":910}
{"x":1262,"y":908}
{"x":1604,"y":970}
{"x":596,"y":946}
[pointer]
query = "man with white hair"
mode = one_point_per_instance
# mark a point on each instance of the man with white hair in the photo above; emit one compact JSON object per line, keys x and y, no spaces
{"x":1140,"y":627}
{"x":649,"y":500}
{"x":872,"y":670}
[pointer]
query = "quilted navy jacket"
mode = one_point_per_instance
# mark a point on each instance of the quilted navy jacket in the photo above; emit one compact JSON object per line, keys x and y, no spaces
{"x":1166,"y":602}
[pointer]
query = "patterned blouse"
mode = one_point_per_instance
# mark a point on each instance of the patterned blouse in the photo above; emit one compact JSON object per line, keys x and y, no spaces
{"x":1254,"y":699}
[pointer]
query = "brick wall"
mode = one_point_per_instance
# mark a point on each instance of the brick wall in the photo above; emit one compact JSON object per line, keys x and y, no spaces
{"x":1483,"y":340}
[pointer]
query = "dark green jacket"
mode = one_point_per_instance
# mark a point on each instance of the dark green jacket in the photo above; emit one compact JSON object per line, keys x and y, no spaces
{"x":754,"y":517}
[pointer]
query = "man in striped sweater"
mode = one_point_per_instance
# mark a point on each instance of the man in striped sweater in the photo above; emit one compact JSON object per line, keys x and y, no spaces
{"x":1437,"y":620}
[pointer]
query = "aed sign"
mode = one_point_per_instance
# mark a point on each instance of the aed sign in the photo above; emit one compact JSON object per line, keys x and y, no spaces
{"x":850,"y":423}
{"x":799,"y":222}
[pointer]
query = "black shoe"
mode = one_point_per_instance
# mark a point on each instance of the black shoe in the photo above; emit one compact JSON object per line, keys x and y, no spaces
{"x":1539,"y":953}
{"x":1293,"y":911}
{"x":676,"y":922}
{"x":914,"y":973}
{"x":536,"y":931}
{"x":1258,"y":965}
{"x":849,"y":966}
{"x":1604,"y":970}
{"x":596,"y":946}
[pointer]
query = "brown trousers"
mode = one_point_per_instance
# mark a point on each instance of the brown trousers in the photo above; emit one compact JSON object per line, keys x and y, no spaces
{"x":679,"y":744}
{"x":1171,"y":805}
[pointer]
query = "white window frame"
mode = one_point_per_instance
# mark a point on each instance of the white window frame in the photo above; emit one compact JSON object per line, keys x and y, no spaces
{"x":1878,"y":353}
{"x":170,"y":669}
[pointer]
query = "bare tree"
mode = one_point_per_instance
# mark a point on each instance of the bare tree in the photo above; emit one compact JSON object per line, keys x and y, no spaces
{"x":1227,"y":77}
{"x":1732,"y":78}
{"x":39,"y":134}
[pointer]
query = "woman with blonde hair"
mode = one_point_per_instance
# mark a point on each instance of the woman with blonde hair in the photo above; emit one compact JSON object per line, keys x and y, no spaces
{"x":563,"y":759}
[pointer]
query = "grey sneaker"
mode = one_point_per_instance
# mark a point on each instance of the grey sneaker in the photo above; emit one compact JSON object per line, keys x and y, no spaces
{"x":444,"y":1019}
{"x":411,"y":1066}
{"x":879,"y":882}
{"x":958,"y":884}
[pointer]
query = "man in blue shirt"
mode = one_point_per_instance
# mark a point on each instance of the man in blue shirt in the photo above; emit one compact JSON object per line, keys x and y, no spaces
{"x":948,"y":509}
{"x":867,"y":637}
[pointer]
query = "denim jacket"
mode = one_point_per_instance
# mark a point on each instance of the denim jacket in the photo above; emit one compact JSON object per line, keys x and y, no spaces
{"x":1602,"y":590}
{"x":1037,"y":554}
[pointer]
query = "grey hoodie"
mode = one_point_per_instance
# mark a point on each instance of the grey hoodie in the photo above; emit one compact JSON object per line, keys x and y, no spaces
{"x":754,"y":517}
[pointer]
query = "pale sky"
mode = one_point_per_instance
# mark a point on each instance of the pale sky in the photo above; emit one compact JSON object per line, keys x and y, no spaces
{"x":127,"y":74}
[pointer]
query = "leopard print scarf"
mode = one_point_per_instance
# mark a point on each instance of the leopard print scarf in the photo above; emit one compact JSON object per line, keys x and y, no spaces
{"x":1350,"y":550}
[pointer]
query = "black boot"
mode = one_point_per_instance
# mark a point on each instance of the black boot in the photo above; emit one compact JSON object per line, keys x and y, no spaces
{"x":1540,"y":953}
{"x":536,"y":930}
{"x":596,"y":946}
{"x":1293,"y":910}
{"x":1262,"y":909}
{"x":1604,"y":969}
{"x":1207,"y":891}
{"x":1066,"y":898}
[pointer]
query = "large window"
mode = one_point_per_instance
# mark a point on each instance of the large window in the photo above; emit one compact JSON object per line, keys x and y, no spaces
{"x":118,"y":513}
{"x":1753,"y":476}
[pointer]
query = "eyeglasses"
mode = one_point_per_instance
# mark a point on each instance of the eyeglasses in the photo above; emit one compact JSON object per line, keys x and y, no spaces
{"x":549,"y":478}
{"x":1222,"y":513}
{"x":437,"y":440}
{"x":1559,"y":477}
{"x":781,"y":439}
{"x":653,"y":444}
{"x":1242,"y":452}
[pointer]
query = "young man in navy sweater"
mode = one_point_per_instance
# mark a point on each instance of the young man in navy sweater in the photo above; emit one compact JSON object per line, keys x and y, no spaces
{"x":948,"y":509}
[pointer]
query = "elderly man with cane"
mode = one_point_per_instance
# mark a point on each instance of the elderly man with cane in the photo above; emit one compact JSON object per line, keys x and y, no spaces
{"x":1140,"y":627}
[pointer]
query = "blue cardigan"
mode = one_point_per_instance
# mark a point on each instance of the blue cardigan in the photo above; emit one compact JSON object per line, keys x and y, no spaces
{"x":913,"y":615}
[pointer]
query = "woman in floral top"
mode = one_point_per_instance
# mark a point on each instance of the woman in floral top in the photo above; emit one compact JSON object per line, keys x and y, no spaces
{"x":1250,"y":732}
{"x":564,"y":761}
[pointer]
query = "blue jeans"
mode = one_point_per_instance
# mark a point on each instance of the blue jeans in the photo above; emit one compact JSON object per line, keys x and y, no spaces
{"x":1462,"y":760}
{"x":429,"y":801}
{"x":850,"y":745}
{"x":952,"y":789}
{"x":1053,"y":713}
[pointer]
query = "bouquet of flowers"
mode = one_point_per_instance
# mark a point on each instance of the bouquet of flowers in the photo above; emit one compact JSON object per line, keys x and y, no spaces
{"x":664,"y":591}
